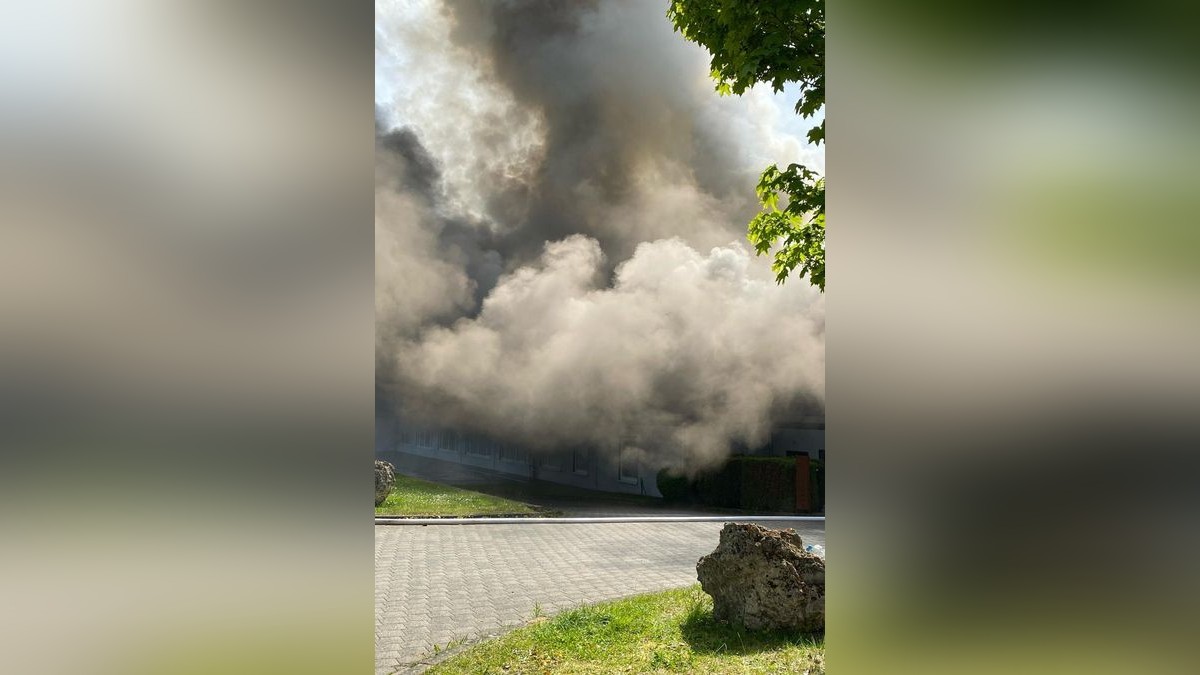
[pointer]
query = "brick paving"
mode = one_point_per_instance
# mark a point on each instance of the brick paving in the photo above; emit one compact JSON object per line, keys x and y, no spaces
{"x":441,"y":583}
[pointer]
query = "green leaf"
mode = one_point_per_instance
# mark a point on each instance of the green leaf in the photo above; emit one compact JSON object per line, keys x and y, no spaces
{"x":773,"y":42}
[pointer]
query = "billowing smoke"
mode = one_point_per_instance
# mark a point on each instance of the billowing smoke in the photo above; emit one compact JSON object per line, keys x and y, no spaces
{"x":560,"y":198}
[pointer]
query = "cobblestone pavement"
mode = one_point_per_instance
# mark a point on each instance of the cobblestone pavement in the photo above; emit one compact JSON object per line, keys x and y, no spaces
{"x":439,"y":584}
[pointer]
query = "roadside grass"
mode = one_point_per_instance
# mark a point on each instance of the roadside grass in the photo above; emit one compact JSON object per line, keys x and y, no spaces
{"x":671,"y":631}
{"x":415,"y":497}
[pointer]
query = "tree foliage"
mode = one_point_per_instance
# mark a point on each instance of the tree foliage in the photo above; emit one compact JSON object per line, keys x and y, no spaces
{"x":775,"y":42}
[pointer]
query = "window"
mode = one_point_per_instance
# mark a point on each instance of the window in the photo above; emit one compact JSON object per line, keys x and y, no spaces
{"x":424,"y":438}
{"x":477,"y":445}
{"x":627,"y":465}
{"x":552,"y":462}
{"x":447,"y":440}
{"x":580,"y":460}
{"x":821,"y":454}
{"x":511,"y":453}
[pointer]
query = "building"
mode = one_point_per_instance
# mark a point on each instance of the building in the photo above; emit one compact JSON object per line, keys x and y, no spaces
{"x":621,"y":469}
{"x":801,"y":436}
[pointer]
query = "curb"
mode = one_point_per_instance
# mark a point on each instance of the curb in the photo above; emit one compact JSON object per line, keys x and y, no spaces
{"x":538,"y":520}
{"x":510,"y":516}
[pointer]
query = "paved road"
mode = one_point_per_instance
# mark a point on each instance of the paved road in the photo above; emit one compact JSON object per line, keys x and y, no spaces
{"x":439,"y":583}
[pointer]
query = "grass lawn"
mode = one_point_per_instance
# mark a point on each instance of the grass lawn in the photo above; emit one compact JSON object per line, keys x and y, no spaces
{"x":415,"y":497}
{"x":672,"y":631}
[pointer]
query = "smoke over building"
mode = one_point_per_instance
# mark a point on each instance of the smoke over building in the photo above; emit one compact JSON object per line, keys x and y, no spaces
{"x":561,"y":202}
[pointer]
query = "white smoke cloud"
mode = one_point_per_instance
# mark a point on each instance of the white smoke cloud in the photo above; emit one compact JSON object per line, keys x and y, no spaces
{"x":412,"y":285}
{"x":480,"y":135}
{"x":690,"y":350}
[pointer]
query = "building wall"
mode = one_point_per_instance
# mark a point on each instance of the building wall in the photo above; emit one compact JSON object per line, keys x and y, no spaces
{"x":616,"y":471}
{"x":612,"y":471}
{"x":793,"y":441}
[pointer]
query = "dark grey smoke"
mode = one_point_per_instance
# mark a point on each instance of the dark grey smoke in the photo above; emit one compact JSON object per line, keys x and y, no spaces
{"x":619,"y":96}
{"x":557,"y":254}
{"x":405,"y":169}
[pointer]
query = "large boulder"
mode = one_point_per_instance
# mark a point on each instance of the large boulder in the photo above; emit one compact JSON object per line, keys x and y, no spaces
{"x":385,"y":480}
{"x":764,"y":580}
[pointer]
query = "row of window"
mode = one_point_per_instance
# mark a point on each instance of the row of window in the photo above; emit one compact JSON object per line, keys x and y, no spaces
{"x":581,"y":463}
{"x":452,"y":441}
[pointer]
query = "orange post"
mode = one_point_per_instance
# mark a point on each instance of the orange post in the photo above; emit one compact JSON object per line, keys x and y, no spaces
{"x":803,"y":489}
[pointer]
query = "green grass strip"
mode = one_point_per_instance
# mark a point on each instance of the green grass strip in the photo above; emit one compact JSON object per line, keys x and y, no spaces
{"x":415,"y":497}
{"x":671,"y":631}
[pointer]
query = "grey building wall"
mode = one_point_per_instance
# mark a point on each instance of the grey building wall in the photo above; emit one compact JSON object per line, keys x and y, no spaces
{"x":794,"y":441}
{"x":615,"y":470}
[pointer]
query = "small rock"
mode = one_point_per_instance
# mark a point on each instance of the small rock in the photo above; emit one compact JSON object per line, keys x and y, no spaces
{"x":385,"y":480}
{"x":765,"y":580}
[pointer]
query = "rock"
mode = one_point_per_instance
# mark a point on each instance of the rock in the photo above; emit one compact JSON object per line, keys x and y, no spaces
{"x":764,"y":580}
{"x":385,"y":480}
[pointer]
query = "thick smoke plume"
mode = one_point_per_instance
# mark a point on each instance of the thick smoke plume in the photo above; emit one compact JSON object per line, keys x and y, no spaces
{"x":684,"y":351}
{"x":549,"y":178}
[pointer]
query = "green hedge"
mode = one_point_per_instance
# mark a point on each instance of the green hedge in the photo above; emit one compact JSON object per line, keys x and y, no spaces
{"x":722,"y":487}
{"x":768,"y":483}
{"x":674,"y":488}
{"x":816,"y":484}
{"x":751,"y":483}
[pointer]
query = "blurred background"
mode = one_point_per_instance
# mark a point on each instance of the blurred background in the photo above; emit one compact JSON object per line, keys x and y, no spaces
{"x":1012,"y":372}
{"x":187,"y":337}
{"x":186,"y":334}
